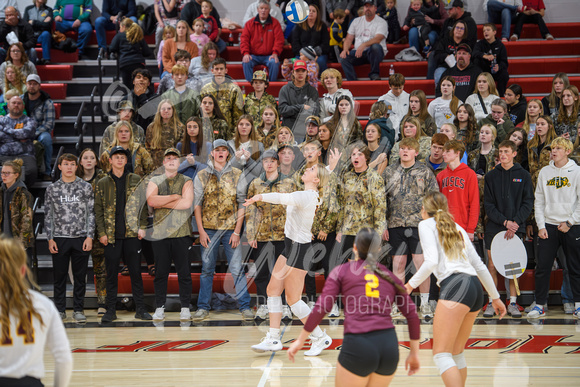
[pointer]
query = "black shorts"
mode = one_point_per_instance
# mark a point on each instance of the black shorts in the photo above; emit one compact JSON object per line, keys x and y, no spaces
{"x":488,"y":238}
{"x":365,"y":353}
{"x":298,"y":255}
{"x":27,"y":381}
{"x":464,"y":289}
{"x":405,"y":240}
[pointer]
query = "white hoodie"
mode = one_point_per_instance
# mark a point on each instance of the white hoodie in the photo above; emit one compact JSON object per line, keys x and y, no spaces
{"x":558,"y":195}
{"x":400,"y":107}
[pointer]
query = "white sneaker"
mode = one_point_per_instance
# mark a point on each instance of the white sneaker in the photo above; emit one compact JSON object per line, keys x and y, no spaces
{"x":335,"y":312}
{"x":262,"y":312}
{"x":185,"y":314}
{"x":286,"y":312}
{"x":268,"y":344}
{"x":426,"y":310}
{"x":395,"y":310}
{"x":159,"y":314}
{"x":318,"y":344}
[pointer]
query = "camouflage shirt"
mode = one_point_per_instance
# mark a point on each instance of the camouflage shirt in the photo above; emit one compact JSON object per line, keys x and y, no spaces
{"x":405,"y":189}
{"x":538,"y":160}
{"x":21,"y":215}
{"x":169,"y":139}
{"x":215,"y":128}
{"x":255,"y":107}
{"x":266,"y":139}
{"x":186,"y":103}
{"x":360,"y":202}
{"x":265,"y":221}
{"x":109,"y":136}
{"x":424,"y":150}
{"x":168,"y":222}
{"x":17,"y":135}
{"x":229,"y":97}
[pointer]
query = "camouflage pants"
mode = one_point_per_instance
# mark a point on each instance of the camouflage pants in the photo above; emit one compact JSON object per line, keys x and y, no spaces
{"x":98,"y":255}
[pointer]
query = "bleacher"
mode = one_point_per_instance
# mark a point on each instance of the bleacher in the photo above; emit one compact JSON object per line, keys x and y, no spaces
{"x":71,"y":83}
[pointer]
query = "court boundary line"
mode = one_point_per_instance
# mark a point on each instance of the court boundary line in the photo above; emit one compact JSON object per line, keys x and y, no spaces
{"x":266,"y":374}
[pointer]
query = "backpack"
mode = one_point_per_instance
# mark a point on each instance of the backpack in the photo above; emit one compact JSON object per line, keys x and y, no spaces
{"x":149,"y":21}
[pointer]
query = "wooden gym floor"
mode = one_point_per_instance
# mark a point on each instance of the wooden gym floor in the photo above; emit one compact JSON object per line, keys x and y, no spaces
{"x":511,"y":352}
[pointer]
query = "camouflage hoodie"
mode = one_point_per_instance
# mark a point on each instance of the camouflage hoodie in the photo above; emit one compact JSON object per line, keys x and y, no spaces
{"x":21,"y":216}
{"x":229,"y":97}
{"x":255,"y":107}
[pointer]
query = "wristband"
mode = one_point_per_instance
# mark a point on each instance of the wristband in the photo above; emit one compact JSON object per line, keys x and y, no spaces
{"x":236,"y":234}
{"x":568,"y":224}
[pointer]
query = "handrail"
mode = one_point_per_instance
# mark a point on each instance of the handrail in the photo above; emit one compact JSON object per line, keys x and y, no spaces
{"x":79,"y":120}
{"x":93,"y":112}
{"x":79,"y":146}
{"x":34,"y":263}
{"x":54,"y":168}
{"x":101,"y":92}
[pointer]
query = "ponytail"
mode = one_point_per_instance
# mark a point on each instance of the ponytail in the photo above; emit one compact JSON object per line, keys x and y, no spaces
{"x":435,"y":205}
{"x":134,"y":33}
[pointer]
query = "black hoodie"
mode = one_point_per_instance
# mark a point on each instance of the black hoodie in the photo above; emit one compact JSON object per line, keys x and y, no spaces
{"x":465,"y":80}
{"x":471,"y":28}
{"x":496,"y":48}
{"x":517,"y":112}
{"x":507,"y":195}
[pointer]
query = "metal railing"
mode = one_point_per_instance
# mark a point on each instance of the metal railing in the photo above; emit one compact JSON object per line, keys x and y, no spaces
{"x":34,"y":263}
{"x":101,"y":91}
{"x":94,"y":109}
{"x":80,"y":145}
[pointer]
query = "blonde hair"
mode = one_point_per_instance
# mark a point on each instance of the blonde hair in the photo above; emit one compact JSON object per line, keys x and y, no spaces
{"x":157,"y":124}
{"x":19,"y":83}
{"x":415,"y":122}
{"x":563,"y":116}
{"x":133,"y":32}
{"x":15,"y":298}
{"x":322,"y":176}
{"x":167,"y":29}
{"x":118,"y":127}
{"x":277,"y":143}
{"x":563,"y":143}
{"x":526,"y":124}
{"x":330,"y":72}
{"x":451,"y":239}
{"x":187,"y":33}
{"x":276,"y":121}
{"x":552,"y":97}
{"x":550,"y":136}
{"x":16,"y":165}
{"x":490,"y":83}
{"x":493,"y":131}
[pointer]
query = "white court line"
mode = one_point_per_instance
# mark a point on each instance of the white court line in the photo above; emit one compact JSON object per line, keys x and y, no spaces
{"x":267,"y":370}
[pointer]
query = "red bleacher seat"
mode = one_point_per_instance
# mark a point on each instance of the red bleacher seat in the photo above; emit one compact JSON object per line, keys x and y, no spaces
{"x":57,"y":107}
{"x":55,"y":90}
{"x":55,"y":72}
{"x":59,"y":56}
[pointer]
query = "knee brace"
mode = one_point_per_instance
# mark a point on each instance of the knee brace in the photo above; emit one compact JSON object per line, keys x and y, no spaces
{"x":444,"y":361}
{"x":274,"y":304}
{"x":300,"y":309}
{"x":459,"y":360}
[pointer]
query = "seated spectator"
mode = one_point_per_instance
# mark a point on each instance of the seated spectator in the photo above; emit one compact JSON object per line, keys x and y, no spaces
{"x":13,"y":80}
{"x":23,"y":31}
{"x":164,"y":132}
{"x":192,"y":10}
{"x":275,"y":12}
{"x":112,"y":14}
{"x":181,"y":42}
{"x":7,"y":97}
{"x":551,"y":102}
{"x":39,"y":106}
{"x":5,"y":4}
{"x":297,"y":98}
{"x":499,"y":119}
{"x":502,"y":12}
{"x":331,"y":80}
{"x":444,"y":108}
{"x":388,"y":11}
{"x":139,"y":161}
{"x":567,"y":118}
{"x":490,"y":55}
{"x":418,"y":108}
{"x":18,"y":58}
{"x":308,"y":55}
{"x":200,"y":67}
{"x":534,"y":110}
{"x":142,"y":97}
{"x":75,"y":15}
{"x":259,"y":99}
{"x":262,"y":42}
{"x":412,"y":129}
{"x":369,"y":35}
{"x":214,"y":123}
{"x":125,"y":112}
{"x":17,"y":133}
{"x":185,"y":100}
{"x":417,"y":18}
{"x":268,"y":126}
{"x":40,"y":17}
{"x":182,"y":58}
{"x":312,"y":32}
{"x":167,"y":14}
{"x":198,"y":37}
{"x":398,"y":98}
{"x":464,"y":72}
{"x":446,"y":48}
{"x":132,"y":49}
{"x":532,"y":13}
{"x":483,"y":95}
{"x":516,"y":102}
{"x":168,"y":33}
{"x":210,"y":24}
{"x":194,"y":148}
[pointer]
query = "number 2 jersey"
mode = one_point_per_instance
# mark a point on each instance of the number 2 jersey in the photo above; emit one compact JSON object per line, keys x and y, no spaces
{"x":367,"y":300}
{"x":22,"y":355}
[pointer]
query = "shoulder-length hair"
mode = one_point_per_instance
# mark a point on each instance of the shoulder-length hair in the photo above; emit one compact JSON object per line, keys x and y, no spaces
{"x":186,"y":140}
{"x":254,"y":143}
{"x":157,"y":124}
{"x":318,"y":24}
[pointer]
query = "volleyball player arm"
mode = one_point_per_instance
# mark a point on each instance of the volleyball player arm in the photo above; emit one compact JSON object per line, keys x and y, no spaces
{"x":58,"y":344}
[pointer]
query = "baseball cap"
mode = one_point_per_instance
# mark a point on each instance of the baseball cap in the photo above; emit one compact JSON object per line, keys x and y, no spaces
{"x":173,"y":151}
{"x":220,"y":142}
{"x":457,"y":3}
{"x":300,"y":64}
{"x":125,"y":105}
{"x":464,"y":47}
{"x":260,"y":75}
{"x":118,"y":149}
{"x":313,"y":119}
{"x":270,"y":153}
{"x":369,"y":2}
{"x":33,"y":77}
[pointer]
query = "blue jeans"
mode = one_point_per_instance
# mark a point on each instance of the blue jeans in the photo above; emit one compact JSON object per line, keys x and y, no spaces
{"x":499,"y":12}
{"x":438,"y":74}
{"x":414,"y":38}
{"x":45,"y":41}
{"x":102,"y":25}
{"x":273,"y":67}
{"x":84,"y":30}
{"x":46,"y":140}
{"x":209,"y":257}
{"x":221,"y":45}
{"x":322,"y":60}
{"x":373,"y":55}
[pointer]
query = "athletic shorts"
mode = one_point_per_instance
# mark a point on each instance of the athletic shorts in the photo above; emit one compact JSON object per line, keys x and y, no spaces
{"x":27,"y":381}
{"x":488,"y":238}
{"x":297,"y":254}
{"x":405,"y":240}
{"x":464,"y":289}
{"x":365,"y":353}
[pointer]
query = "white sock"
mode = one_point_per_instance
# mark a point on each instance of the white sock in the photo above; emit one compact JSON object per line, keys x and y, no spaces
{"x":576,"y":305}
{"x":317,"y":332}
{"x":424,"y":298}
{"x":274,"y":332}
{"x":513,"y":299}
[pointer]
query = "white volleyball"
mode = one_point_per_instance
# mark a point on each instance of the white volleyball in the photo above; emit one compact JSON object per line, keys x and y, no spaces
{"x":297,"y":11}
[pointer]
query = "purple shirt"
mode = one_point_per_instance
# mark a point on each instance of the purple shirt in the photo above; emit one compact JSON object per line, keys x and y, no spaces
{"x":367,"y":300}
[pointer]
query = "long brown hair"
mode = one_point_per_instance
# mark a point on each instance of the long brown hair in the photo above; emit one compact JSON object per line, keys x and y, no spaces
{"x":81,"y":170}
{"x":535,"y":141}
{"x":415,"y":122}
{"x":563,"y":116}
{"x":526,"y":124}
{"x":217,"y":112}
{"x":22,"y":50}
{"x":318,"y":24}
{"x":423,"y":112}
{"x":186,"y":140}
{"x":471,"y":123}
{"x":254,"y":143}
{"x":15,"y":298}
{"x":552,"y":97}
{"x":19,"y":83}
{"x":205,"y":61}
{"x":276,"y":121}
{"x":451,"y":239}
{"x":157,"y":124}
{"x":454,"y":104}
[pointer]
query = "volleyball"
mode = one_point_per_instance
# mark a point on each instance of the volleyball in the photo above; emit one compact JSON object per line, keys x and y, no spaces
{"x":297,"y":11}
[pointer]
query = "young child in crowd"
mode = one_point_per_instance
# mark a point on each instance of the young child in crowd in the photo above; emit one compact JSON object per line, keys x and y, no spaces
{"x":336,"y":32}
{"x":168,"y":33}
{"x":388,"y":11}
{"x":308,"y":55}
{"x":416,"y":18}
{"x":211,"y":28}
{"x":198,"y":37}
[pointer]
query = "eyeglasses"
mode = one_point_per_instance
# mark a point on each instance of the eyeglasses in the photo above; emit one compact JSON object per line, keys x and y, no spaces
{"x":7,"y":173}
{"x":460,"y":28}
{"x":15,"y":51}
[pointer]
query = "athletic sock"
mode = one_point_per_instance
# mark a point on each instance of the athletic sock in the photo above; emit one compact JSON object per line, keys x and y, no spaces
{"x":317,"y":332}
{"x":513,"y":299}
{"x":275,"y":332}
{"x":424,"y":298}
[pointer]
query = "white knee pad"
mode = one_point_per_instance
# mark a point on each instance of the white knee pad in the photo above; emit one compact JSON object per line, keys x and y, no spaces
{"x":274,"y":304}
{"x":300,"y":309}
{"x":444,"y":361}
{"x":460,"y":360}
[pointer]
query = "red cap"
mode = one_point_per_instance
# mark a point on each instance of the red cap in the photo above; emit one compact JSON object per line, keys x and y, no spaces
{"x":300,"y":64}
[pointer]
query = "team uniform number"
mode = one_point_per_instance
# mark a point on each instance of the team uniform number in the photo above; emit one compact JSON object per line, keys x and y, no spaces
{"x":372,"y":285}
{"x":28,"y":337}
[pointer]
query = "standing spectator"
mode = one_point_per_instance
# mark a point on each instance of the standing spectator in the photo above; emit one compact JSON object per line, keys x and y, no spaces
{"x":167,"y":14}
{"x":464,"y":72}
{"x":198,"y":37}
{"x":262,"y":42}
{"x":112,"y":13}
{"x":380,"y":112}
{"x":268,"y":127}
{"x":412,"y":129}
{"x":369,"y":34}
{"x":185,"y":100}
{"x":219,"y":221}
{"x":331,"y":80}
{"x":539,"y":148}
{"x":435,"y":160}
{"x":214,"y":123}
{"x":517,"y":103}
{"x":551,"y":102}
{"x":345,"y":125}
{"x":520,"y":138}
{"x":142,"y":97}
{"x":567,"y":118}
{"x":418,"y":108}
{"x":246,"y":148}
{"x":75,"y":15}
{"x":483,"y":96}
{"x":125,"y":112}
{"x":195,"y":149}
{"x":259,"y":99}
{"x":164,"y":132}
{"x":397,"y":98}
{"x":445,"y":50}
{"x":533,"y":13}
{"x":17,"y":132}
{"x":499,"y":119}
{"x":297,"y":99}
{"x":225,"y":91}
{"x":466,"y":126}
{"x":181,"y":42}
{"x":192,"y":10}
{"x":40,"y":17}
{"x":171,"y":197}
{"x":70,"y":225}
{"x":379,"y":147}
{"x":444,"y":108}
{"x":502,"y":12}
{"x":211,"y":27}
{"x":388,"y":11}
{"x":21,"y":29}
{"x":130,"y":44}
{"x":336,"y":34}
{"x":490,"y":55}
{"x":40,"y":108}
{"x":139,"y":161}
{"x":121,"y":224}
{"x":312,"y":32}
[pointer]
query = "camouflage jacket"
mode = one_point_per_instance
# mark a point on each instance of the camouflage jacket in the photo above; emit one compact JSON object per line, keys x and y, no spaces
{"x":462,"y":136}
{"x":17,"y":135}
{"x":264,"y":221}
{"x":220,"y":195}
{"x":106,"y":205}
{"x":575,"y":155}
{"x":255,"y":107}
{"x":472,"y":160}
{"x":569,"y":127}
{"x":168,"y":222}
{"x":405,"y":189}
{"x":168,"y":140}
{"x":21,"y":215}
{"x":266,"y":139}
{"x":229,"y":97}
{"x":538,"y":160}
{"x":186,"y":103}
{"x":141,"y":162}
{"x":215,"y":128}
{"x":424,"y":150}
{"x":360,"y":202}
{"x":109,"y":136}
{"x":503,"y":130}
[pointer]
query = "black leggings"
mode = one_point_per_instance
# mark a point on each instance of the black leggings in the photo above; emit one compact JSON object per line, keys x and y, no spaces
{"x":365,"y":353}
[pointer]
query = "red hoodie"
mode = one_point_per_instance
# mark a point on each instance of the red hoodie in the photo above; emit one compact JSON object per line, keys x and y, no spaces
{"x":461,"y":189}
